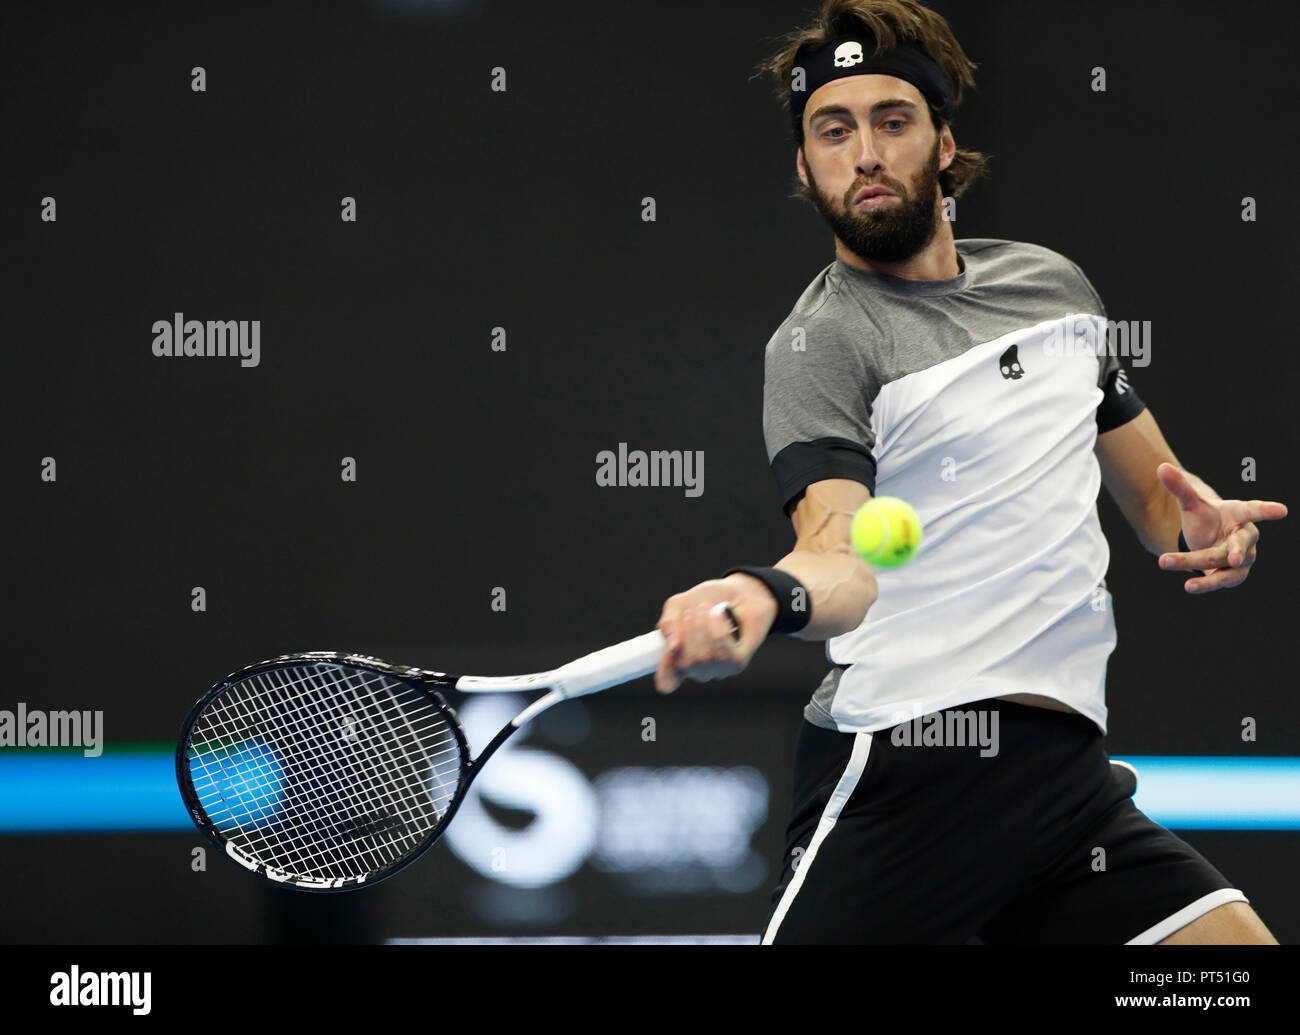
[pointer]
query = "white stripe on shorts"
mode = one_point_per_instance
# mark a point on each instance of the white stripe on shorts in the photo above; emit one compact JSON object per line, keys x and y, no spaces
{"x":1186,"y":915}
{"x":843,"y":789}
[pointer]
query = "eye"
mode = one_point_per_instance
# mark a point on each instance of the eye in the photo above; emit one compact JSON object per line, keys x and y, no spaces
{"x":835,"y":129}
{"x":898,"y":122}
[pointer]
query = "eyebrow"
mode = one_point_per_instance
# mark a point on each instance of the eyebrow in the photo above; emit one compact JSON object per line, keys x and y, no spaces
{"x":827,"y":110}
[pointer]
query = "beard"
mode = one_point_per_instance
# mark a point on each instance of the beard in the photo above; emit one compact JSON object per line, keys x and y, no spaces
{"x":894,"y":232}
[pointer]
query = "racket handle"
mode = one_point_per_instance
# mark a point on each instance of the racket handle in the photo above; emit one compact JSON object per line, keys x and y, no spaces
{"x":620,"y":663}
{"x":598,"y":670}
{"x":610,"y":666}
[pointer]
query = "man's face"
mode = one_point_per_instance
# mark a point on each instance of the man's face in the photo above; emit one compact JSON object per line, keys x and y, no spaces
{"x":873,"y":131}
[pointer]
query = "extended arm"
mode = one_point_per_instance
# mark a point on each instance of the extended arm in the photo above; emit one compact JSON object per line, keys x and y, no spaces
{"x":1129,"y":456}
{"x":1159,"y":499}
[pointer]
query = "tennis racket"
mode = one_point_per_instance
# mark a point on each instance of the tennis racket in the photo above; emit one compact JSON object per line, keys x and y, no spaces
{"x":331,"y":772}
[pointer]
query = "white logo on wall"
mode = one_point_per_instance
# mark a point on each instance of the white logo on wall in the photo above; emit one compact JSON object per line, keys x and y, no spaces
{"x":848,"y":54}
{"x":682,"y":828}
{"x":563,"y":830}
{"x":666,"y":829}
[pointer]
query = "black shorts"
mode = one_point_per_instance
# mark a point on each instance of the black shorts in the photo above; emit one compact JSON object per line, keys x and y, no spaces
{"x":1038,"y":843}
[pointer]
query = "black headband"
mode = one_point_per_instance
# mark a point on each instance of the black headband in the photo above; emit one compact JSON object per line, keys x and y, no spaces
{"x":852,"y":55}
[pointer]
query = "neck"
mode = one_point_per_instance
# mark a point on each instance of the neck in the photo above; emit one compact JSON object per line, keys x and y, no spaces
{"x":938,"y":260}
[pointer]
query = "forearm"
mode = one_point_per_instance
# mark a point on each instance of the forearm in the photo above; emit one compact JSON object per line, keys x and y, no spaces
{"x":1163,"y":520}
{"x":834,"y":587}
{"x":840,"y":588}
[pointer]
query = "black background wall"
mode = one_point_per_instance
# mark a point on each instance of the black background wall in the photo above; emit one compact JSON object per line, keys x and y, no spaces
{"x":476,"y":468}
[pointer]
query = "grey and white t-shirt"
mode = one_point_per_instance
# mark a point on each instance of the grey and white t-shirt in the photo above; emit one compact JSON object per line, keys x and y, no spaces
{"x":977,"y":399}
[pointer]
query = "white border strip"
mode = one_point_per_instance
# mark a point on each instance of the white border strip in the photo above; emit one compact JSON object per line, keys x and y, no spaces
{"x":848,"y":781}
{"x":629,"y":939}
{"x":1186,"y":915}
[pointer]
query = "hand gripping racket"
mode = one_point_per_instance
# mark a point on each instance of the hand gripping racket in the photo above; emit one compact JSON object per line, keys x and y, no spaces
{"x":330,"y":772}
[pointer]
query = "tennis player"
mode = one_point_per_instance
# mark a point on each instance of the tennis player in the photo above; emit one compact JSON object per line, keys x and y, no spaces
{"x":951,"y":779}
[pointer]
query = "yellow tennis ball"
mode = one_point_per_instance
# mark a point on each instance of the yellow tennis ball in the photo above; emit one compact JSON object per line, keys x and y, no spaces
{"x":886,"y":532}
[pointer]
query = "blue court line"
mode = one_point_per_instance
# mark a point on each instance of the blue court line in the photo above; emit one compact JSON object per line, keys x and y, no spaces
{"x":124,"y":790}
{"x":1208,"y":793}
{"x":61,"y":792}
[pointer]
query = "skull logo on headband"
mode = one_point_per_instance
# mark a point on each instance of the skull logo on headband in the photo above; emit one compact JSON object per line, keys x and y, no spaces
{"x":848,"y":54}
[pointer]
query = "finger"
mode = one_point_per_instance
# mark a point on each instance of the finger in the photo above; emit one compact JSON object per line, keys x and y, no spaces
{"x":670,"y":615}
{"x":1237,"y":543}
{"x":1243,"y":560}
{"x":1225,"y":578}
{"x":1196,"y":560}
{"x":715,"y":657}
{"x":1246,"y":561}
{"x":697,"y":642}
{"x":1262,"y":510}
{"x":1176,"y":482}
{"x":667,"y":676}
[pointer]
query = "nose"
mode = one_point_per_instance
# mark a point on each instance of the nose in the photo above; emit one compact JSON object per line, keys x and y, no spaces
{"x":868,"y":161}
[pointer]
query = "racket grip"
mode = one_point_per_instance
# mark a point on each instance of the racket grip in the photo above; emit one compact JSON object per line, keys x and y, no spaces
{"x":621,"y":663}
{"x":610,"y":666}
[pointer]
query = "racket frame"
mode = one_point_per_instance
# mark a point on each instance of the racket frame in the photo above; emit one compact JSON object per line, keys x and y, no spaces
{"x":422,"y":680}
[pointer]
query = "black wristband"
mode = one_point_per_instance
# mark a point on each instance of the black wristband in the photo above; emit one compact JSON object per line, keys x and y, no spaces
{"x":793,"y":610}
{"x":1184,"y":548}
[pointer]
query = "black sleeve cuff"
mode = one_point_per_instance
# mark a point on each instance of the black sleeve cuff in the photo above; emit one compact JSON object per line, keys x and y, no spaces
{"x":1117,"y":407}
{"x":800,"y":464}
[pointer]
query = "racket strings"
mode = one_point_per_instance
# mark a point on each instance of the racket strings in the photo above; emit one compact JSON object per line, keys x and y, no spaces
{"x":352,"y":731}
{"x":329,"y":806}
{"x":301,"y":848}
{"x":427,"y":763}
{"x":324,"y":771}
{"x":352,"y":747}
{"x":228,"y":720}
{"x":337,"y":809}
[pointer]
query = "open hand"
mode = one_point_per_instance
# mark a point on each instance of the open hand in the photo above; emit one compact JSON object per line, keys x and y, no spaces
{"x":1221,"y":536}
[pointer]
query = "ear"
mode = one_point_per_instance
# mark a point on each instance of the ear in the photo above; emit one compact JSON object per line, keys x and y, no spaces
{"x":947,"y":148}
{"x":800,"y":167}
